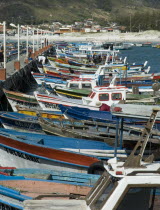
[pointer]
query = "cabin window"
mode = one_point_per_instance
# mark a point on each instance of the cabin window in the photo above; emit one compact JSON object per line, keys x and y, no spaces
{"x":86,"y":85}
{"x":102,"y":190}
{"x":116,"y":96}
{"x":141,"y":198}
{"x":104,"y":97}
{"x":74,"y":85}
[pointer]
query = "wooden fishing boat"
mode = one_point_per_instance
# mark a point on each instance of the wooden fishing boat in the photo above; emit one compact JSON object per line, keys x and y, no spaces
{"x":81,"y":146}
{"x":55,"y":176}
{"x":107,"y":95}
{"x":45,"y":189}
{"x":75,"y":88}
{"x":50,"y":81}
{"x":79,"y":113}
{"x":59,"y":74}
{"x":75,"y":129}
{"x":71,"y":93}
{"x":20,"y":122}
{"x":18,"y":151}
{"x":45,"y":114}
{"x":105,"y":132}
{"x":16,"y":98}
{"x":51,"y":101}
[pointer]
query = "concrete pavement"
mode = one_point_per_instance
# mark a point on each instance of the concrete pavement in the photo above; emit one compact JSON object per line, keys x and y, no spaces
{"x":10,"y":65}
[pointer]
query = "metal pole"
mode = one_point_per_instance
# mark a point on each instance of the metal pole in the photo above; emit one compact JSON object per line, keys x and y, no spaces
{"x":33,"y":41}
{"x":117,"y":136}
{"x":27,"y":44}
{"x":18,"y":43}
{"x":4,"y":43}
{"x":37,"y":41}
{"x":41,"y":39}
{"x":121,"y":133}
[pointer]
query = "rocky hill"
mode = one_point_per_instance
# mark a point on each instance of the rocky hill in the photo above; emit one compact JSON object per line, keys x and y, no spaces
{"x":69,"y":11}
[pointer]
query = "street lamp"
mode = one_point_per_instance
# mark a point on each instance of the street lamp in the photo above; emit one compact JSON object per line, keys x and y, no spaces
{"x":37,"y":40}
{"x":41,"y":39}
{"x":33,"y":40}
{"x":27,"y":43}
{"x":4,"y":43}
{"x":13,"y":25}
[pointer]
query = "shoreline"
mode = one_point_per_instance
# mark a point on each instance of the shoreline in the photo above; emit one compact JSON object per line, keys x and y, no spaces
{"x":140,"y":37}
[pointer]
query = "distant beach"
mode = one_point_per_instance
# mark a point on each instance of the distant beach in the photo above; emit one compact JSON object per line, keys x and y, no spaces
{"x":146,"y":36}
{"x":140,"y":37}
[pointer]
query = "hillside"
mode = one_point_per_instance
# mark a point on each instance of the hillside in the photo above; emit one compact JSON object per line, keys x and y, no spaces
{"x":69,"y":11}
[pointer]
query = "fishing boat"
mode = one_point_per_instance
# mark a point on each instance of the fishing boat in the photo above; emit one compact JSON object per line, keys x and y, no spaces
{"x":51,"y":101}
{"x":71,"y":93}
{"x":45,"y":114}
{"x":107,"y":95}
{"x":16,"y":98}
{"x":41,"y":189}
{"x":76,"y":129}
{"x":75,"y":88}
{"x":20,"y":122}
{"x":105,"y":132}
{"x":97,"y":149}
{"x":112,"y":94}
{"x":122,"y":46}
{"x":59,"y":74}
{"x":18,"y":151}
{"x":79,"y":113}
{"x":71,"y":178}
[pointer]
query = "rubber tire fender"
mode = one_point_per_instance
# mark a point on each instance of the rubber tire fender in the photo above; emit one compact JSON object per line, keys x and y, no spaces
{"x":96,"y":168}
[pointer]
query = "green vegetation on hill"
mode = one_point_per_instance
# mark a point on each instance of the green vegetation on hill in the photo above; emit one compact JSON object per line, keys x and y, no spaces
{"x":134,"y":14}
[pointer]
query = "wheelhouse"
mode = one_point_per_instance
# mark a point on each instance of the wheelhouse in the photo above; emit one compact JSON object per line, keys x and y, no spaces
{"x":107,"y":95}
{"x":81,"y":84}
{"x":131,"y":192}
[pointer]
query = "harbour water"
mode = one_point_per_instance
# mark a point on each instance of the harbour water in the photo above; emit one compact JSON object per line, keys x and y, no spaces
{"x":142,"y":54}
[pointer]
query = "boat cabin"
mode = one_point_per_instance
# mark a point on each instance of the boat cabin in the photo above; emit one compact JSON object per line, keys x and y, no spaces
{"x":81,"y":83}
{"x":106,"y":95}
{"x":138,"y":191}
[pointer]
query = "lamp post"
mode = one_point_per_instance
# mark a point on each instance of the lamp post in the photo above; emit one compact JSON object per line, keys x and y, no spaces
{"x":27,"y":44}
{"x":33,"y":41}
{"x":18,"y":33}
{"x":4,"y":44}
{"x":37,"y":40}
{"x":18,"y":42}
{"x":41,"y":39}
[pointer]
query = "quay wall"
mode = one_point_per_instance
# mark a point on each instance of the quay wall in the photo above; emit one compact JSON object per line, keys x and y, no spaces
{"x":21,"y":81}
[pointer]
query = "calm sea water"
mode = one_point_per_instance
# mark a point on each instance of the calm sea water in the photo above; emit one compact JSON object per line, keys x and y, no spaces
{"x":142,"y":54}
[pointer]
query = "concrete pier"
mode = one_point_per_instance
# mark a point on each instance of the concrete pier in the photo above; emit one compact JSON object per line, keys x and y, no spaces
{"x":15,"y":65}
{"x":10,"y":67}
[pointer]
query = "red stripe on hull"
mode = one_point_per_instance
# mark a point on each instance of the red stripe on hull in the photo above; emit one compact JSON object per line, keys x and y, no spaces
{"x":49,"y":152}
